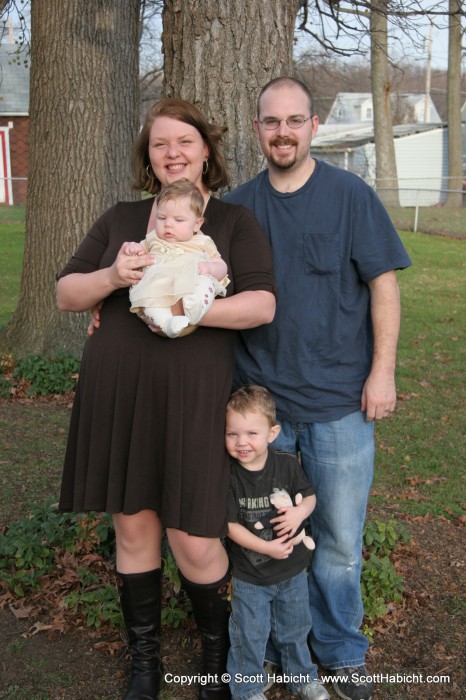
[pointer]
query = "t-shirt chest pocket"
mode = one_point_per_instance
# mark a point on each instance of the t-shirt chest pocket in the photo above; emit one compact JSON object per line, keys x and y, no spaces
{"x":321,"y":253}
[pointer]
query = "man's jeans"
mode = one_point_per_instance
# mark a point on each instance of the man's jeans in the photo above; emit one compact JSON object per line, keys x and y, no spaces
{"x":280,"y":610}
{"x":338,"y":459}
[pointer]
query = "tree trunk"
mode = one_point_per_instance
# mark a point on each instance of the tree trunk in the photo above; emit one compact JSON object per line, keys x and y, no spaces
{"x":83,"y":119}
{"x":455,"y":165}
{"x":218,"y":54}
{"x":385,"y":161}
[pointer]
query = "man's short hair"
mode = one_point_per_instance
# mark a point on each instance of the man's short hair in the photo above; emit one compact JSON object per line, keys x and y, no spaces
{"x":285,"y":81}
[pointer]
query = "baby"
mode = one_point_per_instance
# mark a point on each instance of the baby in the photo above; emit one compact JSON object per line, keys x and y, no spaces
{"x":187,"y":265}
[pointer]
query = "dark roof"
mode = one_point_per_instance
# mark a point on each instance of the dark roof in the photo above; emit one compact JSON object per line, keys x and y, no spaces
{"x":14,"y":81}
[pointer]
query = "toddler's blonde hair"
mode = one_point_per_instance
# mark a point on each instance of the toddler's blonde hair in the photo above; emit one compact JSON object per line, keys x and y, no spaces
{"x":255,"y":399}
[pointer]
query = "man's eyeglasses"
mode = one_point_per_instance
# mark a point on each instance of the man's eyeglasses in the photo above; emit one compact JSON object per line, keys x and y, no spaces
{"x":296,"y":122}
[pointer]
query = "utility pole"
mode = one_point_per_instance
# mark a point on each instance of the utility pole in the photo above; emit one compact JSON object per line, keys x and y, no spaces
{"x":428,"y":75}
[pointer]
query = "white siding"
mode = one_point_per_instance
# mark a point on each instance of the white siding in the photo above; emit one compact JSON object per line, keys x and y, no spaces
{"x":422,"y":166}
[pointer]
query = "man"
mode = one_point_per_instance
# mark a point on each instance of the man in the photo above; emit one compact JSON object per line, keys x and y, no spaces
{"x":329,"y":355}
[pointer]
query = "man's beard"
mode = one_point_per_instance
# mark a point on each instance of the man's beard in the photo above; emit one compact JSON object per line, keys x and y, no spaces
{"x":278,"y":163}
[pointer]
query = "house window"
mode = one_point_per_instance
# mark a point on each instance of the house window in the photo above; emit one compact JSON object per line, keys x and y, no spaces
{"x":368,"y":113}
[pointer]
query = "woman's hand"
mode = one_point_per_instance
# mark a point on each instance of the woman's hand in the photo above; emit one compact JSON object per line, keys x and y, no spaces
{"x":94,"y":323}
{"x":83,"y":291}
{"x":129,"y":269}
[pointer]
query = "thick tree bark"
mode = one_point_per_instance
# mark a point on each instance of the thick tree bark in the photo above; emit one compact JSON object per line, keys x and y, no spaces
{"x":455,"y":165}
{"x":385,"y":169}
{"x":218,"y":54}
{"x":84,"y":117}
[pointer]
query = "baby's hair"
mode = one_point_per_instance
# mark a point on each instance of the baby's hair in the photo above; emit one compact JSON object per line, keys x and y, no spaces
{"x":180,"y":190}
{"x":255,"y":399}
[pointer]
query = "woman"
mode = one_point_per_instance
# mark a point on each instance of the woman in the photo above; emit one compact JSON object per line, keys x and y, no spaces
{"x":146,"y":439}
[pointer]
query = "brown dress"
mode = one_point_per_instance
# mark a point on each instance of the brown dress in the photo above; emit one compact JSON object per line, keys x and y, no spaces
{"x":147,"y":426}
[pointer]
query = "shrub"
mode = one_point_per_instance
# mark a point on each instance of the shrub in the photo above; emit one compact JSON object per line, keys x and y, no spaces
{"x":381,"y":584}
{"x":74,"y":555}
{"x":53,"y":375}
{"x":97,"y":603}
{"x":176,"y":605}
{"x":382,"y":538}
{"x":6,"y":385}
{"x":30,"y":546}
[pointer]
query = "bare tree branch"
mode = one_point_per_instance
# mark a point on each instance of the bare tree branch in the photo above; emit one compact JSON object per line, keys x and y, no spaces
{"x":22,"y":9}
{"x":333,"y":23}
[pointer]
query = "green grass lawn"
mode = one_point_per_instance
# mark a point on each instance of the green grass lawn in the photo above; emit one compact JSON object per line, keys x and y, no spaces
{"x":11,"y":260}
{"x":421,"y":449}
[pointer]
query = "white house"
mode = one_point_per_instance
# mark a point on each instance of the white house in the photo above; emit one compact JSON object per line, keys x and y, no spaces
{"x":421,"y":152}
{"x":356,"y":107}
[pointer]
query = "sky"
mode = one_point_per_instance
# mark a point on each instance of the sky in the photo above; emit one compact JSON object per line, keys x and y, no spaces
{"x":403,"y":48}
{"x":439,"y":48}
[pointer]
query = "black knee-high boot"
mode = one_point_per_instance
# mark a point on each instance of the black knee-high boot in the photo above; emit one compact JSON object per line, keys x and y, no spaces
{"x":211,"y":611}
{"x":140,"y":597}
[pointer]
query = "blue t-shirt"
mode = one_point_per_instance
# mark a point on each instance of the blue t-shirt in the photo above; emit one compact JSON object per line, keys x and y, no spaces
{"x":329,"y":239}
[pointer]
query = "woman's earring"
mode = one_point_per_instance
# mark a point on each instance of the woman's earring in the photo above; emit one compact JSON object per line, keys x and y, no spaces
{"x":205,"y":167}
{"x":150,"y":174}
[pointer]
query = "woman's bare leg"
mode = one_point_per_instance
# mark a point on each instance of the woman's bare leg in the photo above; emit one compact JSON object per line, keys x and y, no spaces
{"x":138,"y":542}
{"x":200,"y":559}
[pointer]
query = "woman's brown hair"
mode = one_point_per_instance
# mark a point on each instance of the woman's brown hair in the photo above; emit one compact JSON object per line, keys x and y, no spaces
{"x":216,"y":175}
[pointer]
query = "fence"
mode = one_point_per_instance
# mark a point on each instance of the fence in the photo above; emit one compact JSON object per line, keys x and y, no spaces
{"x":439,"y":218}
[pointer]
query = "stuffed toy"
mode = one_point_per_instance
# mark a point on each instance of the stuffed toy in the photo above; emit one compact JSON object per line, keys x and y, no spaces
{"x":282,"y":499}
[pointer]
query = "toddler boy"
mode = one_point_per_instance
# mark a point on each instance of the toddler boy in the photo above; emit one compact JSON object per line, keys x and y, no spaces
{"x":269,"y":585}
